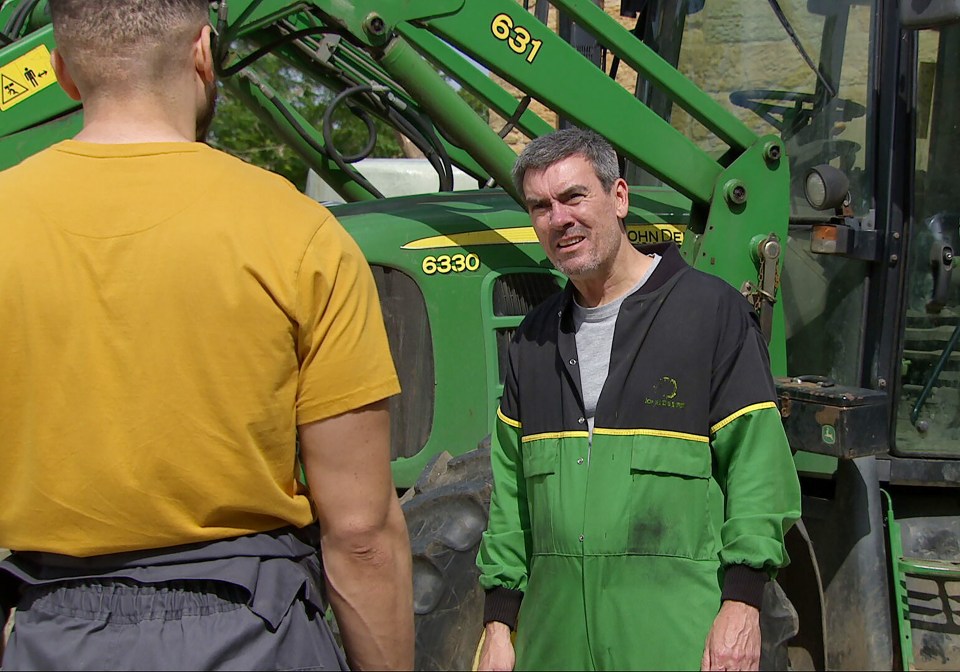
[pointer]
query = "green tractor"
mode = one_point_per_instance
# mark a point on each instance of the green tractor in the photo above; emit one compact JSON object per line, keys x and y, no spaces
{"x":799,"y":149}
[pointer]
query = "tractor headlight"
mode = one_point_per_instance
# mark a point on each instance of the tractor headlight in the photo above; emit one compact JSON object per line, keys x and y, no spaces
{"x":825,"y":187}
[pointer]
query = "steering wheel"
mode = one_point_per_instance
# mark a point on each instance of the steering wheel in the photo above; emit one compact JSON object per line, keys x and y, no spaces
{"x":824,"y":151}
{"x":790,"y":110}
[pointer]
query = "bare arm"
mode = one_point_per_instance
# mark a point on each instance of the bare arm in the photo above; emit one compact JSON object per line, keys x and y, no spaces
{"x":366,"y":553}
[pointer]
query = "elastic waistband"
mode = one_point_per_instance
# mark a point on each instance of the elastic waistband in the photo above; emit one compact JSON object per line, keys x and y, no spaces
{"x":269,"y":571}
{"x":127,"y":602}
{"x":285,"y":542}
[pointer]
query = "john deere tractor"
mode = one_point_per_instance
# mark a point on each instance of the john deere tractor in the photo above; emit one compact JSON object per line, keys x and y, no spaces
{"x":802,"y":150}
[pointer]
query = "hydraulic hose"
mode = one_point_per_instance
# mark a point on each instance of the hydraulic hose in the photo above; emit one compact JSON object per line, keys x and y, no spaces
{"x":406,"y":120}
{"x":19,"y":19}
{"x":428,"y":149}
{"x":515,"y":117}
{"x":339,"y":99}
{"x":316,"y":146}
{"x":445,"y":167}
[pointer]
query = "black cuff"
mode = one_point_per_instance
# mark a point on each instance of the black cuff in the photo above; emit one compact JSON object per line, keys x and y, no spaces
{"x":744,"y":584}
{"x":502,"y":605}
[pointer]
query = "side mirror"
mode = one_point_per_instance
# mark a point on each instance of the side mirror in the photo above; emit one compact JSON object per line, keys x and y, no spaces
{"x":920,"y":14}
{"x":941,"y":266}
{"x":945,"y":228}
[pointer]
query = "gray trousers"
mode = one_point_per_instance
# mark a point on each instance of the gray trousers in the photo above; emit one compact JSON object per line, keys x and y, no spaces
{"x":209,"y":613}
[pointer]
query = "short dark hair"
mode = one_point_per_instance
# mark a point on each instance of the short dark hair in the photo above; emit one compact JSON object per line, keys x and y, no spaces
{"x":111,"y":42}
{"x":548,"y":149}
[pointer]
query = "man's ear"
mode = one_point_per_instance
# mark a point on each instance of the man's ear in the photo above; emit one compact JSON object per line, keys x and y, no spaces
{"x":621,"y":192}
{"x":203,"y":56}
{"x":63,"y":75}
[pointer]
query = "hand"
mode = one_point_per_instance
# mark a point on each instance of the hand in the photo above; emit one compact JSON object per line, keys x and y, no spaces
{"x":496,"y":654}
{"x":734,"y":639}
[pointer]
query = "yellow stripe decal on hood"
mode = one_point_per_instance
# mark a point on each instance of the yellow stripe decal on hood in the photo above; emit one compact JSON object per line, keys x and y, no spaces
{"x":515,"y":236}
{"x":641,"y":234}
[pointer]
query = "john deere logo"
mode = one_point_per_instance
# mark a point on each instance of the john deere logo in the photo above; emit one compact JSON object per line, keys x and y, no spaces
{"x":665,"y":394}
{"x":829,"y":434}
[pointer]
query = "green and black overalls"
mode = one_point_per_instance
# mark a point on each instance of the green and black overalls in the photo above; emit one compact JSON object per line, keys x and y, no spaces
{"x":620,"y":550}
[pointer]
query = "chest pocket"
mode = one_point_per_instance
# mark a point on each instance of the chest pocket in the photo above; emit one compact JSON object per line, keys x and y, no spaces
{"x":670,"y":479}
{"x":541,"y":466}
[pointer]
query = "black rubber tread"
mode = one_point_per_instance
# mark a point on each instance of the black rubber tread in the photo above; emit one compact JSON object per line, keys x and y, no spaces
{"x":446,"y":516}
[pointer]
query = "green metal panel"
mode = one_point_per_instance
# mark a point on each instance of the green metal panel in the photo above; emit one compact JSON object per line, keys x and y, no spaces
{"x":45,"y":104}
{"x":15,"y":148}
{"x":725,"y":248}
{"x":403,"y":236}
{"x":814,"y":463}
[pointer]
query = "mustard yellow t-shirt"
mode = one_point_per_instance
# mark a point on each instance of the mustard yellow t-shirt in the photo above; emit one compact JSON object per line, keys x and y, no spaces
{"x":168,"y":316}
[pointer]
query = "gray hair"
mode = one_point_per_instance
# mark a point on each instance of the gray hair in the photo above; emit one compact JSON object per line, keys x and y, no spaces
{"x":547,"y":150}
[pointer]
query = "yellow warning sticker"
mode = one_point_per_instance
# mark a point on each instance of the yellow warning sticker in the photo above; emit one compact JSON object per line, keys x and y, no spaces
{"x":25,"y":76}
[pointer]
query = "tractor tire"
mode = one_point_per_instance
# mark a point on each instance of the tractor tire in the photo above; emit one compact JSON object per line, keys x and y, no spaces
{"x":446,"y":514}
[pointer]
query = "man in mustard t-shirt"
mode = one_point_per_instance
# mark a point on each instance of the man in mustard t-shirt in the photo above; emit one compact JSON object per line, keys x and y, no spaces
{"x":172,"y":319}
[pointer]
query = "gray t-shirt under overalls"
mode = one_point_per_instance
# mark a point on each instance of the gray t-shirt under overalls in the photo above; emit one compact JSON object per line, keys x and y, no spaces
{"x":594,"y":329}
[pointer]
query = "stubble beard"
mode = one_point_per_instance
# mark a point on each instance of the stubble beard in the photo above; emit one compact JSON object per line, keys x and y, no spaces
{"x":577,"y":269}
{"x":597,"y":262}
